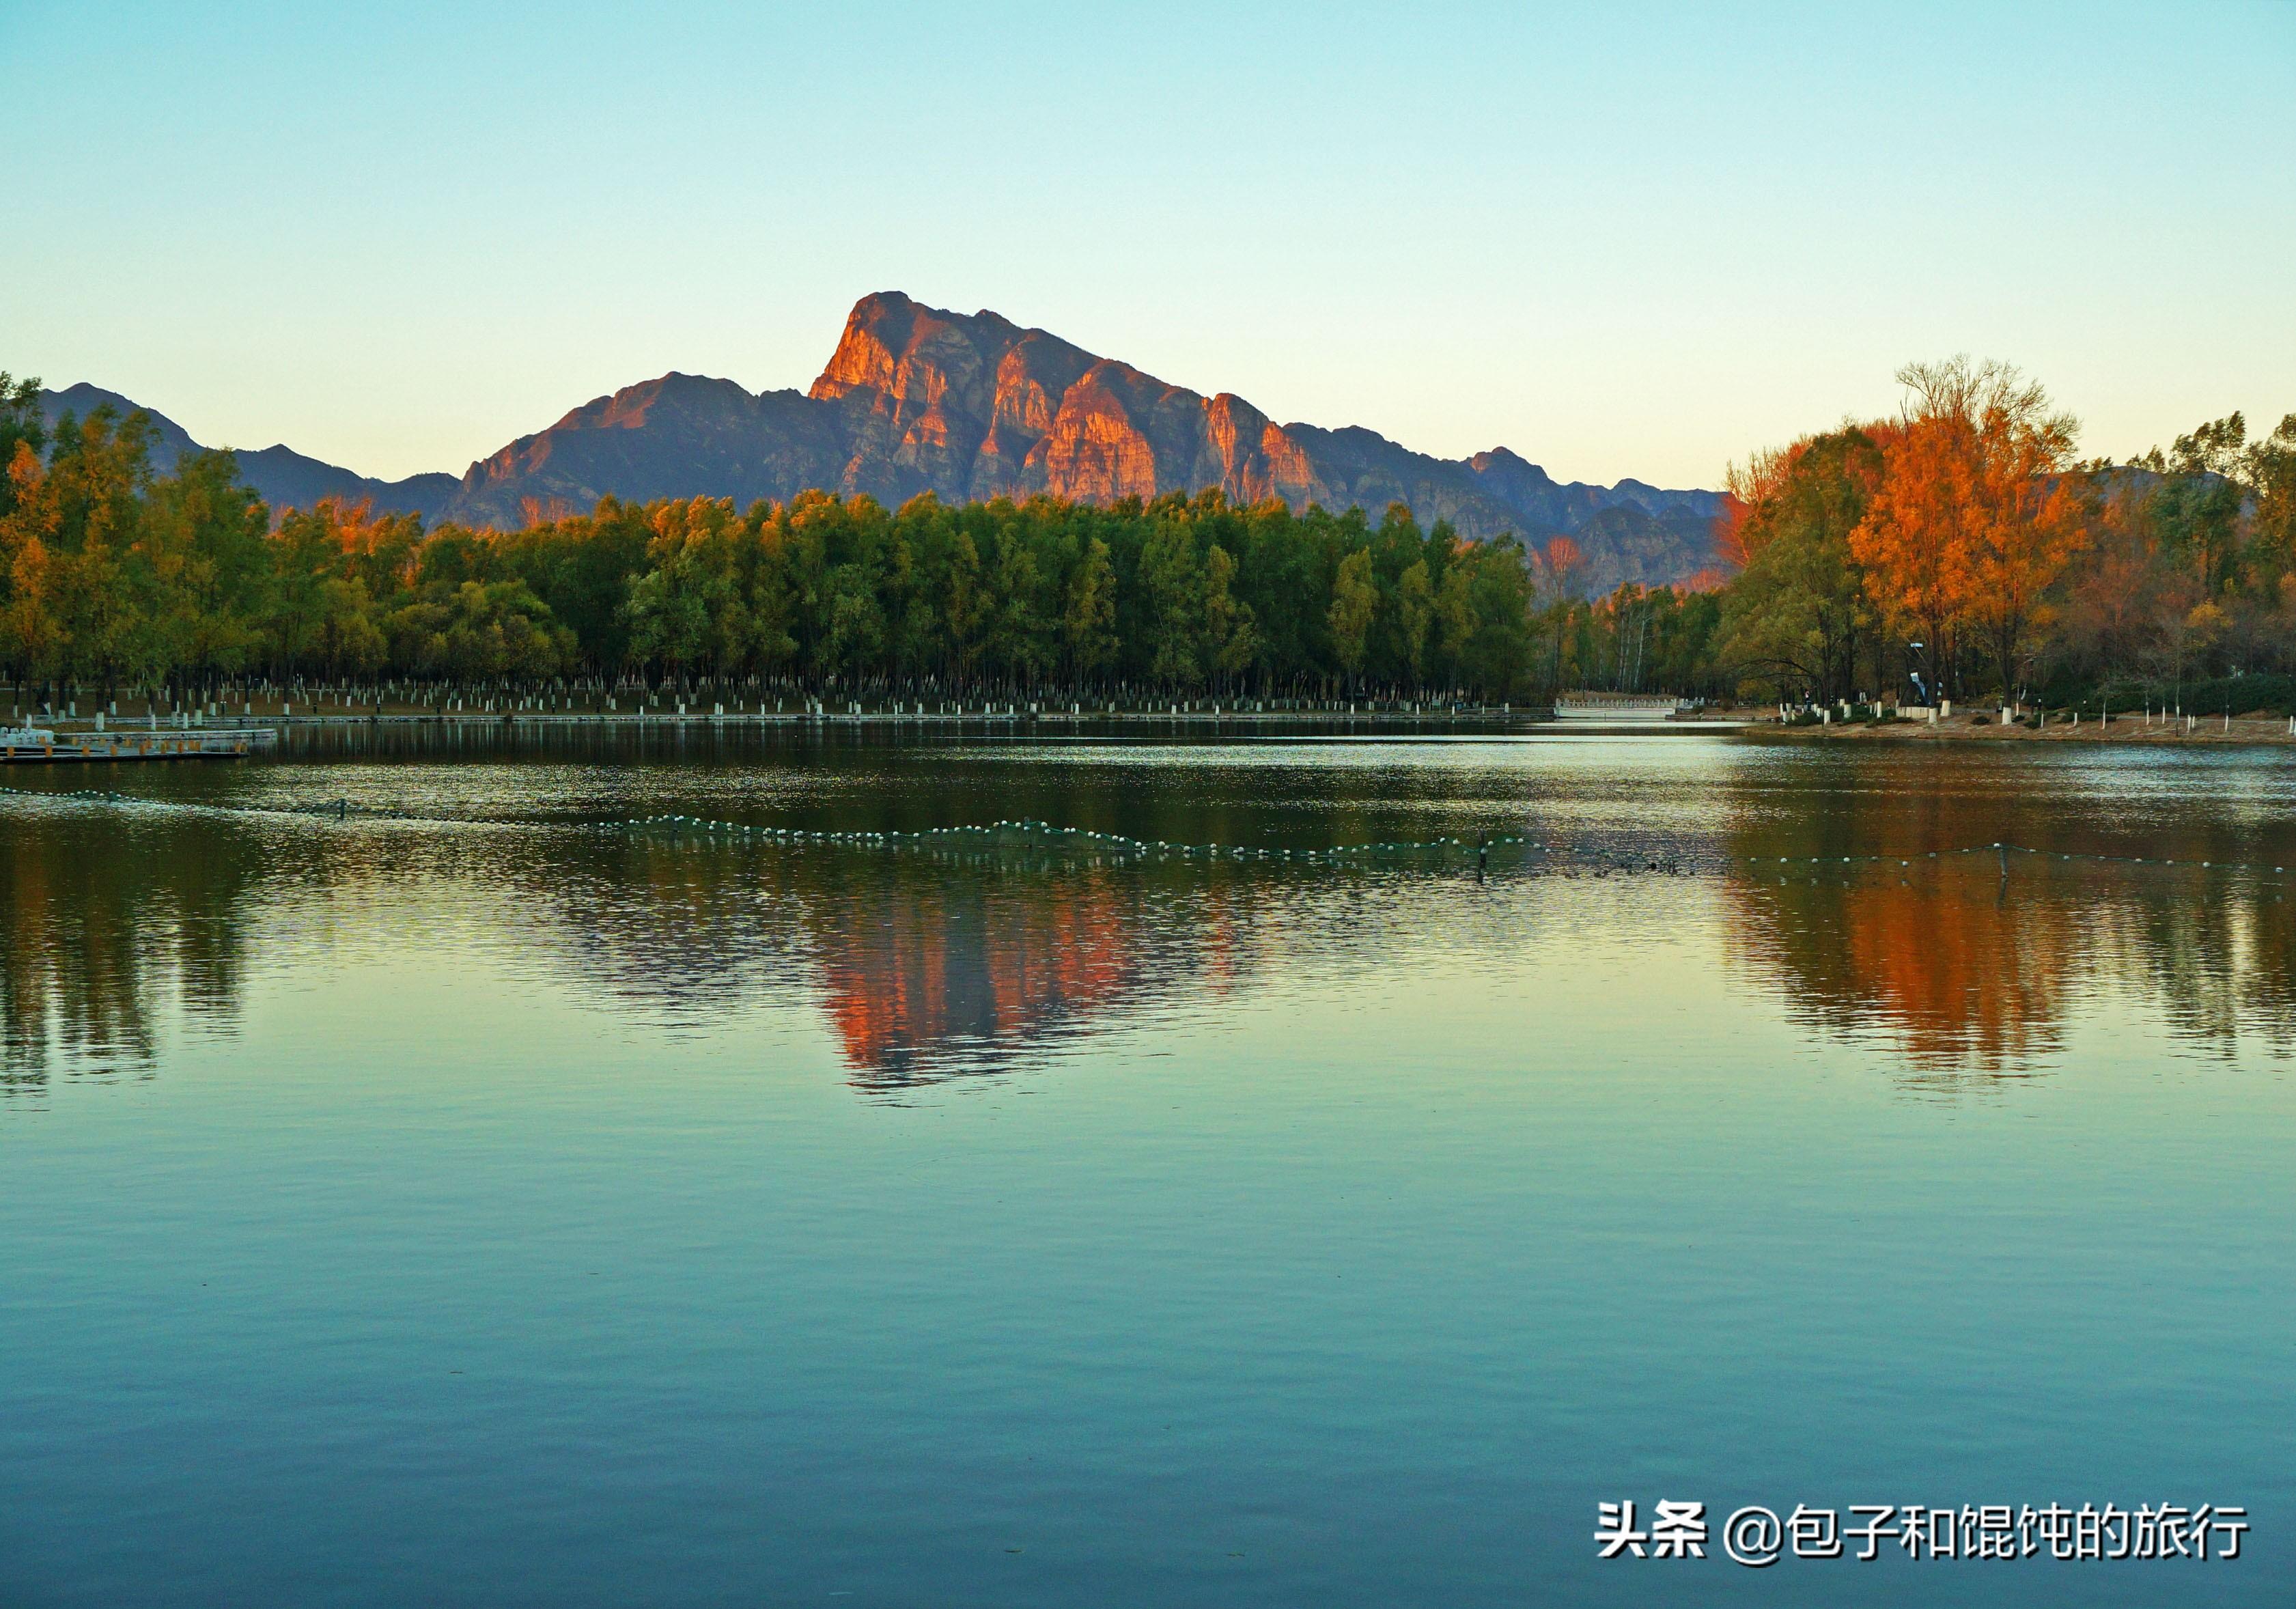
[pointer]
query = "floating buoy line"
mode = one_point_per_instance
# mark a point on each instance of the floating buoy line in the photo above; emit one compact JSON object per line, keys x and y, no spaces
{"x":1504,"y":851}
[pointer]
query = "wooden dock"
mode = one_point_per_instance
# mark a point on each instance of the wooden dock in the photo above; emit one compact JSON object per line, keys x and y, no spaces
{"x":36,"y":745}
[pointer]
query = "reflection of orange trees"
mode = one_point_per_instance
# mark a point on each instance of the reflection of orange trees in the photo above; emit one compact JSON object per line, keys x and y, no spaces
{"x":1970,"y":975}
{"x":1963,"y":979}
{"x":1925,"y":955}
{"x":1961,"y":984}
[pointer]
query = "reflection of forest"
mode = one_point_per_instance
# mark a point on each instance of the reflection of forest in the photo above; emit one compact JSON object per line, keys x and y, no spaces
{"x":98,"y":926}
{"x":934,"y":967}
{"x":927,"y":967}
{"x":1970,"y":973}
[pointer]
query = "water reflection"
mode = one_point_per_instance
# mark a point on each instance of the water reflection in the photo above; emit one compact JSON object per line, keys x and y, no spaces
{"x":1970,"y":967}
{"x":102,"y":924}
{"x":974,"y":968}
{"x":926,"y":966}
{"x":2223,"y":964}
{"x":1958,"y":978}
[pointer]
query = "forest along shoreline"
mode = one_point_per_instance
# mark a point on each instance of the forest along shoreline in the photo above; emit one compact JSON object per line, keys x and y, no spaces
{"x":1958,"y":552}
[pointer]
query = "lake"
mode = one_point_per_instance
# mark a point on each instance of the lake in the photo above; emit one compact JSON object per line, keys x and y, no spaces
{"x":509,"y":1207}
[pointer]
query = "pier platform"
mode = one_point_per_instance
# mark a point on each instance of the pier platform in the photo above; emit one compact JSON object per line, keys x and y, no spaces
{"x":37,"y":745}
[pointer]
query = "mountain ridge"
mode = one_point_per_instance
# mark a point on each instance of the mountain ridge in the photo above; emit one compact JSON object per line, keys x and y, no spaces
{"x":284,"y":477}
{"x":974,"y":406}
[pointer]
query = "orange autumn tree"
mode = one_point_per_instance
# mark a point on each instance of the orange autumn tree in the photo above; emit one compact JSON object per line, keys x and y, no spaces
{"x":2026,"y":520}
{"x":1740,"y":534}
{"x":1562,"y":562}
{"x":1975,"y":518}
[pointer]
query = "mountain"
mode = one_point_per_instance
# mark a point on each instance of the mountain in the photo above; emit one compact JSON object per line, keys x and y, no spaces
{"x":920,"y":400}
{"x":679,"y":436}
{"x":282,"y":477}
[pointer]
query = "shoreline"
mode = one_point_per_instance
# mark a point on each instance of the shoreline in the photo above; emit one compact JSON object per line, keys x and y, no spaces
{"x":2252,"y":731}
{"x":2249,"y":731}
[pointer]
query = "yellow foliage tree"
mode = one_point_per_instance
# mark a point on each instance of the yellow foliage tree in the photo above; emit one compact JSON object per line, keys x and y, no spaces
{"x":1975,"y":518}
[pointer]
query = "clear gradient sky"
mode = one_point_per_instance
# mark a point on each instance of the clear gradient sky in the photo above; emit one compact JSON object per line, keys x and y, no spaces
{"x":1637,"y":243}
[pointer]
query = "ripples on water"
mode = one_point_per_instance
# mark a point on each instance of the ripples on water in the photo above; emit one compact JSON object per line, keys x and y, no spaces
{"x":935,"y":964}
{"x":546,"y":1213}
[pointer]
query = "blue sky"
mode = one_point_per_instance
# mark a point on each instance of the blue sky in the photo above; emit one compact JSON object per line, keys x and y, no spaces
{"x":1624,"y":241}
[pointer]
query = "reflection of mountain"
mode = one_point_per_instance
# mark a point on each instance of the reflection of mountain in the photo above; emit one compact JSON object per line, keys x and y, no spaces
{"x":930,"y":968}
{"x":926,"y":967}
{"x":932,"y":978}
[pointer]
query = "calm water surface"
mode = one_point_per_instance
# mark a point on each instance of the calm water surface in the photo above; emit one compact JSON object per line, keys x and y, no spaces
{"x":540,"y":1214}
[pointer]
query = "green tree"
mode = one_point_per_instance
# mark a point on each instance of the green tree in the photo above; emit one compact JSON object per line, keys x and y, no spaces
{"x":101,"y":584}
{"x":206,"y":543}
{"x":2270,"y":473}
{"x":1020,"y":637}
{"x":1355,"y":604}
{"x":1414,"y":613}
{"x":1794,"y":617}
{"x":1089,"y":619}
{"x":1172,"y":582}
{"x":2197,"y":506}
{"x":690,"y":610}
{"x":1227,"y":636}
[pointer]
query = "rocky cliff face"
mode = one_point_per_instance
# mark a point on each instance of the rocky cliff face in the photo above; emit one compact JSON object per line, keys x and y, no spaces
{"x":974,"y":407}
{"x":969,"y":408}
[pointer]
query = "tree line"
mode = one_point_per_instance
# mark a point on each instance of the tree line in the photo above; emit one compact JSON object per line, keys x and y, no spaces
{"x":1962,"y":548}
{"x":113,"y":573}
{"x":1958,"y":548}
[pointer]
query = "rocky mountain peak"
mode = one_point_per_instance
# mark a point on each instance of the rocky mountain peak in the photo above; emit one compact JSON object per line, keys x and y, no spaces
{"x":972,"y":406}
